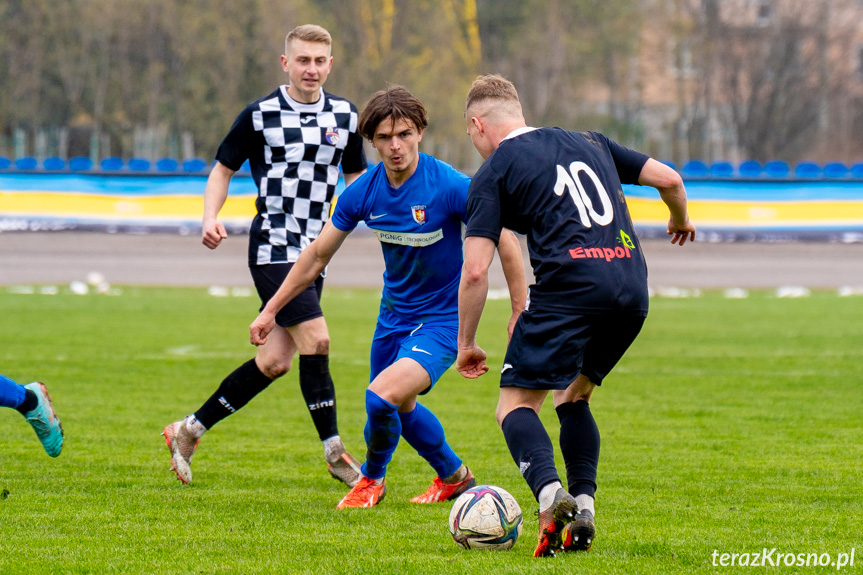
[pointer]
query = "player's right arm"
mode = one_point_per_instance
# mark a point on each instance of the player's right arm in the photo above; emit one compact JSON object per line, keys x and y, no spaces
{"x":673,"y":193}
{"x":306,"y":270}
{"x":472,"y":292}
{"x":215,"y":194}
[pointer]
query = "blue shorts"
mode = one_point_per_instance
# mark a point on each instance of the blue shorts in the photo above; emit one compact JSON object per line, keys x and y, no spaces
{"x":268,"y":279}
{"x":549,"y":349}
{"x":433,"y":345}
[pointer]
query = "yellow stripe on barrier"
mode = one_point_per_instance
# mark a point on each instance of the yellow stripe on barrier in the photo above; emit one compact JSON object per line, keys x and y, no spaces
{"x":241,"y":207}
{"x":52,"y":204}
{"x":712,"y":213}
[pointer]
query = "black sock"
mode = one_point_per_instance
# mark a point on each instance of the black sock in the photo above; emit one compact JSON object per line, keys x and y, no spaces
{"x":319,"y":393}
{"x":579,"y":443}
{"x":530,"y":447}
{"x":29,"y":404}
{"x":235,"y":391}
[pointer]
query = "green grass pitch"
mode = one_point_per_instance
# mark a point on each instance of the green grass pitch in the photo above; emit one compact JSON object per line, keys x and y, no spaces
{"x":730,"y":426}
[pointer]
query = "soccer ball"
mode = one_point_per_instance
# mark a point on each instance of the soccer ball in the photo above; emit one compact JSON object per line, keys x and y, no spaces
{"x":485,"y":517}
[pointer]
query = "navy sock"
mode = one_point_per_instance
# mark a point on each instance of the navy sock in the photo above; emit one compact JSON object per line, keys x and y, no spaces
{"x":423,"y":431}
{"x":319,"y":393}
{"x":235,"y":391}
{"x":382,"y":432}
{"x":579,"y":444}
{"x":530,"y":447}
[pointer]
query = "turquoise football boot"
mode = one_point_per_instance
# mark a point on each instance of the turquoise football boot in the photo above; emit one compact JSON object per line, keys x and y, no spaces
{"x":45,"y":422}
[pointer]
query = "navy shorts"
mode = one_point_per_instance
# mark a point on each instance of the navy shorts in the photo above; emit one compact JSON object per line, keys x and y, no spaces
{"x":268,"y":279}
{"x":549,"y":349}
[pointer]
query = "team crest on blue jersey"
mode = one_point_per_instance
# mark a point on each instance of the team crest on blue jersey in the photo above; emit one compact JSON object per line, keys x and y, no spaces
{"x":332,"y":136}
{"x":419,"y":214}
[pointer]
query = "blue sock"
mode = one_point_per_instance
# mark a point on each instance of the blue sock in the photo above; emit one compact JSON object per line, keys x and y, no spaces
{"x":382,"y":432}
{"x":422,"y":430}
{"x":11,"y":394}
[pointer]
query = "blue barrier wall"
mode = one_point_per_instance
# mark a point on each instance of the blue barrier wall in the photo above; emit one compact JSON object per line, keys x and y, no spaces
{"x":821,"y":208}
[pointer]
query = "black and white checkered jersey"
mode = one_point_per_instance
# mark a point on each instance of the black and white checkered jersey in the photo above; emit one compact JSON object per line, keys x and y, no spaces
{"x":294,"y":151}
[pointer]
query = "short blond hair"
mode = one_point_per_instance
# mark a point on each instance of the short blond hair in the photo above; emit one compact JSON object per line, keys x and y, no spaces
{"x":492,"y":91}
{"x":308,"y":33}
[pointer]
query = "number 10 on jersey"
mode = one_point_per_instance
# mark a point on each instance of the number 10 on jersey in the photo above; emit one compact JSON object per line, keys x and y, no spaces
{"x":569,"y":180}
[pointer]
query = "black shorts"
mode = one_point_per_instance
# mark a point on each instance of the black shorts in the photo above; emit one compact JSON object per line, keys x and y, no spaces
{"x":549,"y":349}
{"x":268,"y":279}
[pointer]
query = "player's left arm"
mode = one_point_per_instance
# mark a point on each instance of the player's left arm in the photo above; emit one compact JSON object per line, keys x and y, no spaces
{"x":306,"y":270}
{"x":673,"y":193}
{"x":353,"y":162}
{"x":472,"y":291}
{"x":509,"y":249}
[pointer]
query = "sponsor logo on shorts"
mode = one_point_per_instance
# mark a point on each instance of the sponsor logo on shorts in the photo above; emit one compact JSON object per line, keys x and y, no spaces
{"x":506,"y":366}
{"x":415,"y":348}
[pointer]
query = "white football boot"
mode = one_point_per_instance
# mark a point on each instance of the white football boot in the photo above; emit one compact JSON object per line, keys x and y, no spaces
{"x":182,"y":444}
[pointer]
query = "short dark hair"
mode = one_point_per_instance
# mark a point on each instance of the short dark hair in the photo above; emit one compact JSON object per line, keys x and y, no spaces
{"x":395,"y":102}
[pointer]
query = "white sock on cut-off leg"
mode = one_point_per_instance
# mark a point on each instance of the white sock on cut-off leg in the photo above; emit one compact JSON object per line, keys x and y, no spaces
{"x":546,"y":495}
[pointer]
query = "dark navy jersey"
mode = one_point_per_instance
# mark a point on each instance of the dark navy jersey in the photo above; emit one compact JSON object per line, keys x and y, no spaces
{"x":563,"y":190}
{"x":294,"y":151}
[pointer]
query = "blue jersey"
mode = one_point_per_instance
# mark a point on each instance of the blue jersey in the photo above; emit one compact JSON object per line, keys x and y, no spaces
{"x":563,"y":190}
{"x":419,"y":227}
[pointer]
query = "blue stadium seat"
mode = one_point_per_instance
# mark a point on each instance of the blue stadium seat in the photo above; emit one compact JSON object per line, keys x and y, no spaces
{"x":835,"y":170}
{"x":857,"y":170}
{"x":807,"y":170}
{"x":111,"y":164}
{"x":80,"y":164}
{"x":54,"y":163}
{"x":139,"y":164}
{"x":5,"y":163}
{"x":167,"y":165}
{"x":695,"y":169}
{"x":776,"y":169}
{"x":722,"y":169}
{"x":670,"y":164}
{"x":750,"y":169}
{"x":194,"y":165}
{"x":26,"y":163}
{"x":245,"y":168}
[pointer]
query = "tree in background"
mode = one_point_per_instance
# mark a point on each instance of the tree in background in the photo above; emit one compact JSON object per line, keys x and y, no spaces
{"x":432,"y":47}
{"x":769,"y":79}
{"x":713,"y":79}
{"x":571,"y":60}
